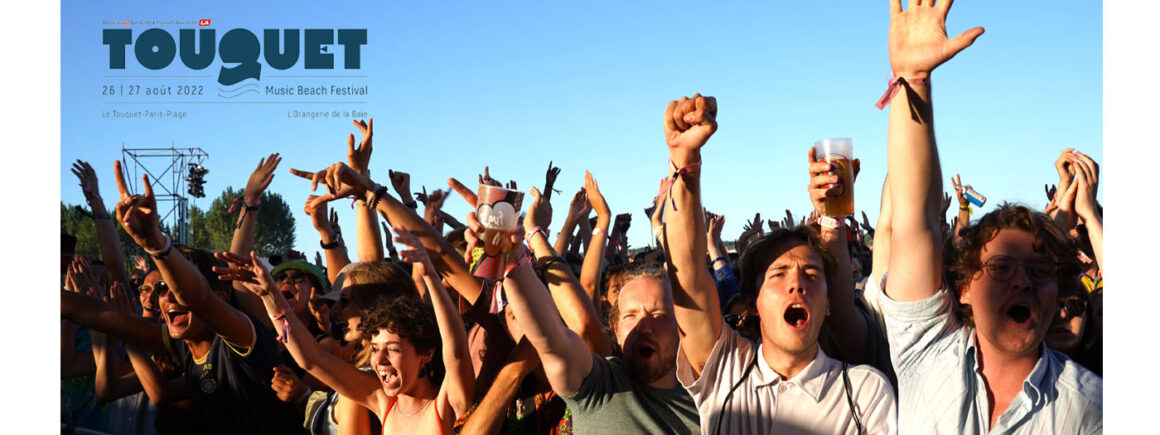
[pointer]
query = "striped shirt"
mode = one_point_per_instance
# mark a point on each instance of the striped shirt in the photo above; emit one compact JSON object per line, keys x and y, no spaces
{"x":941,"y":387}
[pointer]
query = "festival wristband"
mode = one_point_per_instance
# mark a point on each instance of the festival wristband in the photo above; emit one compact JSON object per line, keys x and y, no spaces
{"x":897,"y":83}
{"x":280,"y":317}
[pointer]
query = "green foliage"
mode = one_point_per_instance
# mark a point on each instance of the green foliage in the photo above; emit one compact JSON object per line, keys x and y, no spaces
{"x":74,"y":221}
{"x":214,"y":228}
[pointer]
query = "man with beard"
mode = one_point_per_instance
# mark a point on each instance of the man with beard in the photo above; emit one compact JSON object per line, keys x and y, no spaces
{"x":636,"y":394}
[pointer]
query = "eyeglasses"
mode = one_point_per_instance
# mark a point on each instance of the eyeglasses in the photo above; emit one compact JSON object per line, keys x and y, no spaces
{"x":1073,"y":307}
{"x":159,"y":287}
{"x":294,"y":278}
{"x":1002,"y":268}
{"x":737,"y":321}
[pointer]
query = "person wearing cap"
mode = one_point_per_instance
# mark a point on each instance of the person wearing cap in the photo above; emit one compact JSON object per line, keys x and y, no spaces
{"x":298,"y":280}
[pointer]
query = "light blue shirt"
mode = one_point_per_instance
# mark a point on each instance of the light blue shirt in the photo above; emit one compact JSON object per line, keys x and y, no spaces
{"x":941,"y":387}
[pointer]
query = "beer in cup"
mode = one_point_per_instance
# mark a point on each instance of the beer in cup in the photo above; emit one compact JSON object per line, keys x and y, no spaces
{"x":839,"y":152}
{"x":498,"y":210}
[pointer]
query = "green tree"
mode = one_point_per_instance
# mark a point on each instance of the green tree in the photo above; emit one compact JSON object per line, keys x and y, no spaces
{"x":214,"y":228}
{"x":76,"y":221}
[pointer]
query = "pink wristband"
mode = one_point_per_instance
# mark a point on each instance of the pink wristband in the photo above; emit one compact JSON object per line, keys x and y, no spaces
{"x":283,"y":336}
{"x":677,"y":172}
{"x":894,"y":85}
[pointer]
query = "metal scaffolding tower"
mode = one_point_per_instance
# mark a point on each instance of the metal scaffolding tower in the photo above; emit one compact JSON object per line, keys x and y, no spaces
{"x":167,"y":170}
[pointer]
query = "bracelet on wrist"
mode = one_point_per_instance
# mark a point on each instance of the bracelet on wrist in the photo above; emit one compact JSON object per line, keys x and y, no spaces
{"x":412,"y":205}
{"x":333,"y":244}
{"x":162,"y":253}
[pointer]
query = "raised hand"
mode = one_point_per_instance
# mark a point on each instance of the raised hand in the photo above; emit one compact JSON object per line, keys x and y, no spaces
{"x":773,"y":225}
{"x":360,"y":158}
{"x":753,"y":226}
{"x":485,"y":178}
{"x":688,"y":124}
{"x":597,"y":202}
{"x":79,"y":278}
{"x":340,"y":180}
{"x":716,"y":224}
{"x":1065,"y":169}
{"x":866,"y":224}
{"x":1050,"y":191}
{"x":119,"y":299}
{"x":414,"y":253}
{"x":946,"y":204}
{"x":334,"y":227}
{"x":139,"y":263}
{"x":550,"y":181}
{"x":138,"y":213}
{"x":250,"y":272}
{"x":579,"y":208}
{"x":620,"y":227}
{"x":400,"y":181}
{"x":918,"y":37}
{"x":286,"y":385}
{"x":387,"y":241}
{"x":957,"y":182}
{"x":463,"y":191}
{"x":89,"y":185}
{"x":1088,"y":179}
{"x":788,"y":222}
{"x":317,"y":210}
{"x":261,"y":177}
{"x":539,"y":213}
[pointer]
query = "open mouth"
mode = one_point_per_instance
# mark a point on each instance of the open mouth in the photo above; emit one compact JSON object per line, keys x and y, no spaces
{"x":289,"y":295}
{"x":1020,"y":314}
{"x":645,"y":351}
{"x":389,"y":378}
{"x":178,"y":318}
{"x":797,"y":316}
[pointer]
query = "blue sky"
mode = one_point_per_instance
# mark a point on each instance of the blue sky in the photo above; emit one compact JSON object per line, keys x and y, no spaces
{"x":456,"y":86}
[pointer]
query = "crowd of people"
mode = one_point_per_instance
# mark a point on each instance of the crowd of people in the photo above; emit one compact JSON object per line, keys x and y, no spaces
{"x":985,"y":324}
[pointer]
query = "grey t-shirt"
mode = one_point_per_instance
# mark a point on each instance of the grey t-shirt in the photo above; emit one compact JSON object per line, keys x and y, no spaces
{"x":608,"y":401}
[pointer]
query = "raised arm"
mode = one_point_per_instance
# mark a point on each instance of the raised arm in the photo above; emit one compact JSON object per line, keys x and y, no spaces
{"x":245,"y":233}
{"x":1088,"y":178}
{"x":113,"y":379}
{"x":847,"y":323}
{"x":489,"y":416}
{"x":594,"y":256}
{"x":458,"y":387}
{"x":917,"y":45}
{"x":106,"y":233}
{"x":964,"y":206}
{"x":330,"y":242}
{"x":366,"y":221}
{"x":448,"y":262}
{"x":575,"y":307}
{"x":688,"y":124}
{"x":881,"y":255}
{"x":577,"y":211}
{"x":347,"y":380}
{"x":138,"y":215}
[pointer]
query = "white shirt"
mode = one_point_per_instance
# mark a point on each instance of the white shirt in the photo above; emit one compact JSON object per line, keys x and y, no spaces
{"x":941,"y":387}
{"x":812,"y":402}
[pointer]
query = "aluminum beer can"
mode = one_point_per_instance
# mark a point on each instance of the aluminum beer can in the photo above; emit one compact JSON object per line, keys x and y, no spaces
{"x":974,"y":197}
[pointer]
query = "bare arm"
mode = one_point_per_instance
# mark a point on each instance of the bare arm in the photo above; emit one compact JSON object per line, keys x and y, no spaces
{"x":918,"y":44}
{"x":1088,"y":178}
{"x":458,"y":387}
{"x":138,"y":215}
{"x":352,"y":418}
{"x":688,"y":124}
{"x":347,"y":380}
{"x":488,"y":417}
{"x":848,"y":324}
{"x":245,"y":233}
{"x":94,"y":314}
{"x":594,"y":255}
{"x":577,"y":309}
{"x":881,"y":255}
{"x":578,"y":210}
{"x":160,"y":390}
{"x":106,"y":233}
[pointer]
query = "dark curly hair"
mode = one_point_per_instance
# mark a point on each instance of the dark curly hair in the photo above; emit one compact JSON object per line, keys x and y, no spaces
{"x":963,"y":255}
{"x":765,"y":250}
{"x":411,"y":319}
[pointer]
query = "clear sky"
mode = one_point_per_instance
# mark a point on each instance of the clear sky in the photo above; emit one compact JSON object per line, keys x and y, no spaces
{"x":456,"y":86}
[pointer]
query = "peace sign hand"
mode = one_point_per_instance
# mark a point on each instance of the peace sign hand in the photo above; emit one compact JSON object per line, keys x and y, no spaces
{"x":138,"y":213}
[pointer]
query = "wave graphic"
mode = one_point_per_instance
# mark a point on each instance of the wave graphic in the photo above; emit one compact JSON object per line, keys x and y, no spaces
{"x":239,"y":90}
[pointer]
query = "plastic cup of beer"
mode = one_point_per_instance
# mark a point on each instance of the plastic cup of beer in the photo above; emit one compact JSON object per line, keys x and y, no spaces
{"x":838,"y":151}
{"x":498,"y":210}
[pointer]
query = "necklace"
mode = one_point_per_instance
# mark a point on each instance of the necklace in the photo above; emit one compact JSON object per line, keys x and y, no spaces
{"x":417,"y":410}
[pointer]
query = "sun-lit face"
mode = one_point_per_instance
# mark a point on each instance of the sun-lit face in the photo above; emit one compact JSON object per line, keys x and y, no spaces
{"x":646,"y":328}
{"x":1066,"y":329}
{"x":792,"y":300}
{"x":295,"y":287}
{"x":396,"y":362}
{"x":1012,"y":316}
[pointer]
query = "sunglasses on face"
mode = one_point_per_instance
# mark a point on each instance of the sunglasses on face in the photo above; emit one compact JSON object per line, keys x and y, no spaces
{"x":1002,"y":268}
{"x":737,"y":321}
{"x":159,"y":287}
{"x":294,"y":278}
{"x":1073,"y":307}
